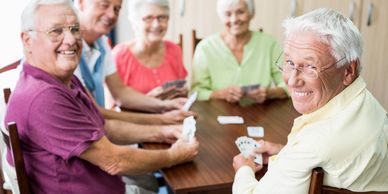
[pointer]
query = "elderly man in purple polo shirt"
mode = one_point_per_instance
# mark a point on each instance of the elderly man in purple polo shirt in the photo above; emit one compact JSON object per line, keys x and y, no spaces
{"x":63,"y":135}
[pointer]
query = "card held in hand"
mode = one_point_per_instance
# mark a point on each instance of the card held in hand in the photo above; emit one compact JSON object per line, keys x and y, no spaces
{"x":190,"y":101}
{"x":189,"y":128}
{"x":248,"y":88}
{"x":174,"y":83}
{"x":246,"y":145}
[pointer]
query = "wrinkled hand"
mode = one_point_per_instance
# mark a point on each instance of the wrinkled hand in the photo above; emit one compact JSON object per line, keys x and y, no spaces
{"x":176,"y":116}
{"x":240,"y":160}
{"x":268,"y":149}
{"x":230,"y":94}
{"x":183,"y":151}
{"x":173,"y":104}
{"x":171,"y":133}
{"x":259,"y":95}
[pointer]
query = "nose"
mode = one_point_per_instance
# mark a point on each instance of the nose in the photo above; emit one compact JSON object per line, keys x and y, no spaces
{"x":293,"y":78}
{"x":155,"y":22}
{"x":69,"y":38}
{"x":111,"y":12}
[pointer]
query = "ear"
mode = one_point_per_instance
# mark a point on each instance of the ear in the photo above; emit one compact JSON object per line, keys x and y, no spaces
{"x":26,"y":40}
{"x":351,"y":72}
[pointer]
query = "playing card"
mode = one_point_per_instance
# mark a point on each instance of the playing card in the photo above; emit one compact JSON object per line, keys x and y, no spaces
{"x":189,"y":128}
{"x":246,"y":146}
{"x":255,"y":131}
{"x":246,"y":89}
{"x":174,"y":83}
{"x":190,"y":101}
{"x":230,"y":120}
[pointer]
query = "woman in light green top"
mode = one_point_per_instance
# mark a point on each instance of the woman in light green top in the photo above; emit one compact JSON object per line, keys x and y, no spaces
{"x":237,"y":57}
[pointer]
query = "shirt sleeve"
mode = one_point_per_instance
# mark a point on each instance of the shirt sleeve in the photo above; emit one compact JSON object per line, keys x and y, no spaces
{"x":60,"y":126}
{"x":201,"y":76}
{"x":289,"y":173}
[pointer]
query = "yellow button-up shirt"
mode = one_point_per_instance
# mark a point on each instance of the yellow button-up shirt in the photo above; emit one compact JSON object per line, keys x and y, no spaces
{"x":348,"y":138}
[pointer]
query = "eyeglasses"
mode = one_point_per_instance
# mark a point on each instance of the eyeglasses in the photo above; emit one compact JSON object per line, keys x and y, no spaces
{"x":161,"y":18}
{"x":57,"y":34}
{"x":307,"y":71}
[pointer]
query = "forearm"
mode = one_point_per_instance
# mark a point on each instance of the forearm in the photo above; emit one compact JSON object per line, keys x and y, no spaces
{"x":131,"y":99}
{"x":138,"y":118}
{"x":121,"y":133}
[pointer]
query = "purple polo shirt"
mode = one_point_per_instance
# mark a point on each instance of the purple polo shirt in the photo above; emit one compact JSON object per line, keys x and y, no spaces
{"x":56,"y":124}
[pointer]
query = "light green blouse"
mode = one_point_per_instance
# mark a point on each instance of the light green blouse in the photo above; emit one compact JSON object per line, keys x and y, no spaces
{"x":215,"y":67}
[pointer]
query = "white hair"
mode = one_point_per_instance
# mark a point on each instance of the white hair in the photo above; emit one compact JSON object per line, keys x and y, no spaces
{"x":135,"y":5}
{"x":223,"y":4}
{"x":333,"y":29}
{"x":28,"y":15}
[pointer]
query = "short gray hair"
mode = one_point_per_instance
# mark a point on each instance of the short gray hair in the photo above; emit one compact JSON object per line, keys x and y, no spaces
{"x":333,"y":29}
{"x":28,"y":15}
{"x":135,"y":5}
{"x":223,"y":4}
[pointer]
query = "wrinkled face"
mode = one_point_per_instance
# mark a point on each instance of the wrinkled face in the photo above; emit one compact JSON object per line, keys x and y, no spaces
{"x":152,"y":23}
{"x":236,"y":18}
{"x":99,"y":16}
{"x":304,"y":50}
{"x":54,"y":45}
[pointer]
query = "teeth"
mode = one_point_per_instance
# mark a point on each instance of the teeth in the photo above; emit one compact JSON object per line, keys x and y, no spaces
{"x":67,"y":52}
{"x":302,"y":93}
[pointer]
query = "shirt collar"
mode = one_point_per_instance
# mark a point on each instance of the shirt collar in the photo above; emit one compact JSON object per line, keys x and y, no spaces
{"x":337,"y":103}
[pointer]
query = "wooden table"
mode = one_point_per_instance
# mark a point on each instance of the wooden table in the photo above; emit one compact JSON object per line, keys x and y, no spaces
{"x":212,"y":171}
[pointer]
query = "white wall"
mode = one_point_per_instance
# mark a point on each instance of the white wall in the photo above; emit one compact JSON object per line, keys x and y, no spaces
{"x":10,"y":44}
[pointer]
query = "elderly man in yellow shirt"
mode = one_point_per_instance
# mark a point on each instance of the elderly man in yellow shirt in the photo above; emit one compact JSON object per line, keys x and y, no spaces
{"x":343,"y":128}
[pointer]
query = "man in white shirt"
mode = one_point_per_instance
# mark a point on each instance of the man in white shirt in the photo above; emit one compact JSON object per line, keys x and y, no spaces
{"x":343,"y":128}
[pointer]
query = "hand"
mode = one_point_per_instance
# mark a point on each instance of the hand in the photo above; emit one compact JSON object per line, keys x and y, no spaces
{"x":259,"y":95}
{"x":230,"y":94}
{"x":175,"y":116}
{"x":268,"y":149}
{"x":240,"y":160}
{"x":171,"y":133}
{"x":173,"y":104}
{"x":183,"y":151}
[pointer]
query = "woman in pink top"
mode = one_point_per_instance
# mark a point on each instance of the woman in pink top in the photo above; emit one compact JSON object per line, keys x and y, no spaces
{"x":147,"y":62}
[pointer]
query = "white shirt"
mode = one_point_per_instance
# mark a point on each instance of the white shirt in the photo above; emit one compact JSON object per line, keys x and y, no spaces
{"x":92,"y":54}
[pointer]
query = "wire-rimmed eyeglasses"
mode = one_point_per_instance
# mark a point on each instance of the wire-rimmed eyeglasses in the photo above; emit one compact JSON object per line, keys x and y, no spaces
{"x":160,"y":18}
{"x":307,"y":71}
{"x":58,"y":33}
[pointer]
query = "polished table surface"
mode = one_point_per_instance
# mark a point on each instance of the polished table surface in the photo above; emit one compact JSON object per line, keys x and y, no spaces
{"x":212,"y":171}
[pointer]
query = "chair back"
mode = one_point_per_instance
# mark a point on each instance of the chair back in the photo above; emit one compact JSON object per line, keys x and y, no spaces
{"x":180,"y":41}
{"x":317,"y":187}
{"x":10,"y":66}
{"x":194,"y":40}
{"x":18,"y":159}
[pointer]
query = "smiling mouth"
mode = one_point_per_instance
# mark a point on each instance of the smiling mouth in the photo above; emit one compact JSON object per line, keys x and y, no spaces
{"x":302,"y":94}
{"x":67,"y":52}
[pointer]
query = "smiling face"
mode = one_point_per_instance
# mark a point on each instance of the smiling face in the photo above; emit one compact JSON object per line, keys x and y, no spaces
{"x":99,"y":16}
{"x":151,"y":23}
{"x":60,"y":56}
{"x":308,"y":95}
{"x":236,"y":18}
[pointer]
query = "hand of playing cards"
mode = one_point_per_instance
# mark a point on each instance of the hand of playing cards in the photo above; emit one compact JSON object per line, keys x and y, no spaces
{"x":174,"y":83}
{"x":246,"y":146}
{"x":248,"y":88}
{"x":189,"y":128}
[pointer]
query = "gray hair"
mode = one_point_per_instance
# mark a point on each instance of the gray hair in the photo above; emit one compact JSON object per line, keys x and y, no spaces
{"x":135,"y":5}
{"x":333,"y":29}
{"x":28,"y":15}
{"x":223,"y":4}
